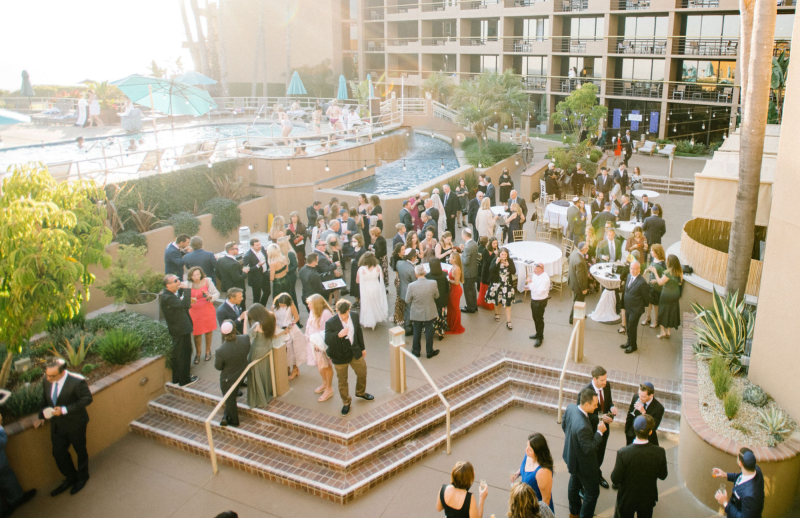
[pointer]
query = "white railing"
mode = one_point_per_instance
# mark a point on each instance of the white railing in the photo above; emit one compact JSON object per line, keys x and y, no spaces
{"x":574,"y":350}
{"x":444,"y":112}
{"x":414,"y":106}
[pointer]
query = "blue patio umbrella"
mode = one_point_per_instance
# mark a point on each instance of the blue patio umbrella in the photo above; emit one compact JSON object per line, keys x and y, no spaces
{"x":26,"y":90}
{"x":296,"y":86}
{"x":166,"y":96}
{"x":194,"y":78}
{"x":342,"y":93}
{"x":8,"y":117}
{"x":371,"y":89}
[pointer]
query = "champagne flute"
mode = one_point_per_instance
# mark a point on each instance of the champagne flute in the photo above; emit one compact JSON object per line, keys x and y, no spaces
{"x":483,"y":484}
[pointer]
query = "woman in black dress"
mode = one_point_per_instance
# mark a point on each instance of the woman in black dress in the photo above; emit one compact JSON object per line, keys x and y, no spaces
{"x":463,"y":202}
{"x":378,"y":246}
{"x":438,"y":275}
{"x":515,"y":221}
{"x":659,"y":262}
{"x":296,"y":232}
{"x":357,"y":242}
{"x":377,"y":210}
{"x":455,"y":499}
{"x":487,"y":259}
{"x":506,"y":185}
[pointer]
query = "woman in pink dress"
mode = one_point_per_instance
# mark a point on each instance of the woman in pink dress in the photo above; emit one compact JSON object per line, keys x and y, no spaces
{"x":202,"y":313}
{"x":413,"y":209}
{"x":319,"y":313}
{"x":456,"y":277}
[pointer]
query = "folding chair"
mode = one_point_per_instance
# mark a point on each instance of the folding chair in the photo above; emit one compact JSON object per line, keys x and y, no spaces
{"x":557,"y":282}
{"x":519,"y":235}
{"x":566,"y":246}
{"x":528,"y":275}
{"x":543,"y":235}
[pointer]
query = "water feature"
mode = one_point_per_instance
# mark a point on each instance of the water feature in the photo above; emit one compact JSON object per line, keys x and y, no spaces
{"x":422,"y":162}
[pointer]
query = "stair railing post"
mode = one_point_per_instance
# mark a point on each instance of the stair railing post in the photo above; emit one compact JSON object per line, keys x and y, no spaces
{"x":397,"y":360}
{"x":579,"y":319}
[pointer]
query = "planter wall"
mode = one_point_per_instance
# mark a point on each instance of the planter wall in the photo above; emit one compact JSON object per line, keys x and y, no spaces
{"x":702,"y":449}
{"x":119,"y":398}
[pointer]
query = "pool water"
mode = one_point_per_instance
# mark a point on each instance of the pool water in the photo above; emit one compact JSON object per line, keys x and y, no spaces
{"x":423,"y":163}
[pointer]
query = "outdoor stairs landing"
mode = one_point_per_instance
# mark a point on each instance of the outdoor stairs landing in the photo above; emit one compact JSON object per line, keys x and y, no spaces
{"x":340,"y":459}
{"x":664,"y":185}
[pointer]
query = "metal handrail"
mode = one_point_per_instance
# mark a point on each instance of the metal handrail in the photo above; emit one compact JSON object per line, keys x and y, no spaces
{"x":432,"y":384}
{"x":572,"y":341}
{"x":211,"y":451}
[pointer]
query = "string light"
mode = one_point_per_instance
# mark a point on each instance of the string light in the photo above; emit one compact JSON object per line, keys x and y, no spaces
{"x":404,"y":165}
{"x":326,"y":166}
{"x":288,"y":166}
{"x":209,"y":164}
{"x":704,"y":125}
{"x":516,"y":161}
{"x":365,"y":165}
{"x":480,"y":165}
{"x":675,"y":129}
{"x":250,"y":166}
{"x":442,"y":167}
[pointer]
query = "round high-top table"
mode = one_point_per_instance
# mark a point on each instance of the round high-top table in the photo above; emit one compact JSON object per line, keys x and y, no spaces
{"x":606,"y":309}
{"x":626,"y":228}
{"x":556,"y":213}
{"x":525,"y":253}
{"x":638,"y":193}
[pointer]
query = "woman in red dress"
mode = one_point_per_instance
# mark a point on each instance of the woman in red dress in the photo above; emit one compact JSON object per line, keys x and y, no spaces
{"x":456,"y":277}
{"x":202,"y":312}
{"x":617,"y":149}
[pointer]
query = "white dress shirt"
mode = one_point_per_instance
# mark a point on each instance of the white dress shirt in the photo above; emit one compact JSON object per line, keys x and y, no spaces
{"x":261,"y":259}
{"x":351,"y":331}
{"x":56,"y":391}
{"x":540,"y":286}
{"x":612,"y":252}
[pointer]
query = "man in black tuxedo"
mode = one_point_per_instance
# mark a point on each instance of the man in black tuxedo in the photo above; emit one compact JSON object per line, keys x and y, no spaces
{"x":231,"y":360}
{"x":627,"y":146}
{"x":472,"y":211}
{"x":66,"y":396}
{"x":598,"y":204}
{"x":644,"y":208}
{"x":604,"y":183}
{"x":520,"y":201}
{"x":258,"y":275}
{"x":325,"y":266}
{"x":605,"y":411}
{"x":230,"y":271}
{"x":748,"y":488}
{"x":654,"y":227}
{"x":644,"y":403}
{"x":580,"y":453}
{"x":636,"y":471}
{"x":231,"y":309}
{"x":400,"y":237}
{"x":173,"y":255}
{"x":600,"y":220}
{"x":637,"y":295}
{"x":622,"y":175}
{"x":175,"y":303}
{"x":345,"y":341}
{"x":451,"y":207}
{"x":625,"y":209}
{"x":610,"y":248}
{"x":310,"y":279}
{"x":490,"y":192}
{"x":202,"y":258}
{"x":432,"y":211}
{"x":312,"y":213}
{"x":405,"y":217}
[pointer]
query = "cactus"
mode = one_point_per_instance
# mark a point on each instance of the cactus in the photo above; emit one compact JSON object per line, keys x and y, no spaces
{"x":775,"y":422}
{"x":755,"y":395}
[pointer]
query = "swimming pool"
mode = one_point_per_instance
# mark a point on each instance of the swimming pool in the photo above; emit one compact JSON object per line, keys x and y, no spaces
{"x":422,"y":162}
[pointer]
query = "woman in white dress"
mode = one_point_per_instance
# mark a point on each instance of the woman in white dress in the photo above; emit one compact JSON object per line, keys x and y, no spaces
{"x":485,"y":220}
{"x":83,"y":112}
{"x":94,"y":110}
{"x":286,"y":317}
{"x":374,"y":307}
{"x":438,"y":205}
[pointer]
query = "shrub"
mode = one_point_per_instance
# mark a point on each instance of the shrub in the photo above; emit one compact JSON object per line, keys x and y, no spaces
{"x":88,"y":368}
{"x":716,"y":365}
{"x":226,"y":215}
{"x":132,"y":238}
{"x":595,"y":155}
{"x":722,"y":383}
{"x":686,"y":147}
{"x":185,"y":223}
{"x":726,"y":327}
{"x":25,"y":400}
{"x":501,"y":150}
{"x":755,"y":395}
{"x":119,"y":347}
{"x":30,"y":375}
{"x":131,"y":279}
{"x":76,"y":349}
{"x":155,"y":337}
{"x":713,"y":147}
{"x":479,"y":157}
{"x":731,"y":404}
{"x":76,"y":320}
{"x":60,"y":336}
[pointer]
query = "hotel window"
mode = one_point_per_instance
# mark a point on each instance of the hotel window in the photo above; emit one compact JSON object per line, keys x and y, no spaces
{"x":645,"y":27}
{"x":586,"y":67}
{"x":712,"y":26}
{"x":486,"y":28}
{"x":643,"y":69}
{"x":587,"y":28}
{"x":535,"y":28}
{"x":488,"y":64}
{"x":723,"y":72}
{"x":783,"y":26}
{"x":534,"y":65}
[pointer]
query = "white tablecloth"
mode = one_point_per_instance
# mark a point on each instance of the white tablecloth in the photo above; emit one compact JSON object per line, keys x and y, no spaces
{"x":530,"y":251}
{"x":638,"y":193}
{"x":606,"y":309}
{"x":553,"y":211}
{"x":626,"y":228}
{"x":499,"y":210}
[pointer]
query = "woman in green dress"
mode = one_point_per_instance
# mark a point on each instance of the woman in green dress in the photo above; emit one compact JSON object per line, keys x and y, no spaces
{"x":259,"y":381}
{"x":659,"y":261}
{"x":669,"y":311}
{"x":278,"y":270}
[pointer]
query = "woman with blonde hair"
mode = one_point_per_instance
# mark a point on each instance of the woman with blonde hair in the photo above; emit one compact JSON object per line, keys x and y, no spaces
{"x":291,"y":275}
{"x":319,"y":312}
{"x":455,"y":499}
{"x":286,"y":318}
{"x":514,"y":221}
{"x":278,"y":269}
{"x":485,"y":220}
{"x":522,"y":503}
{"x":456,"y":278}
{"x":278,"y":229}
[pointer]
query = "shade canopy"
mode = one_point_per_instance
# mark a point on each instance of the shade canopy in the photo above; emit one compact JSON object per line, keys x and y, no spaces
{"x":194,"y":78}
{"x":296,"y":86}
{"x":342,"y":93}
{"x":26,"y":90}
{"x":371,"y":89}
{"x":8,"y":117}
{"x":168,"y":96}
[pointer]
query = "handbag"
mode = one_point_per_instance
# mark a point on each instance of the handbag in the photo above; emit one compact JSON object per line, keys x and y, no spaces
{"x":318,"y":341}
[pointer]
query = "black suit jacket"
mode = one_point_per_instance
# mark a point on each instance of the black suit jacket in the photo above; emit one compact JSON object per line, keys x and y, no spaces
{"x":175,"y":307}
{"x":340,"y":350}
{"x":604,"y":184}
{"x":433,"y":212}
{"x":642,"y":213}
{"x":599,"y":221}
{"x":624,"y":179}
{"x":255,"y":277}
{"x":406,"y":219}
{"x":635,"y":472}
{"x":311,"y":214}
{"x":451,"y":205}
{"x":747,"y":500}
{"x":311,"y":282}
{"x":231,"y":359}
{"x":472,"y":210}
{"x":226,"y":312}
{"x":654,"y":229}
{"x":655,"y":410}
{"x":490,"y":194}
{"x":521,"y":203}
{"x":75,"y":396}
{"x":580,"y":444}
{"x":597,"y":208}
{"x":204,"y":259}
{"x":608,"y":402}
{"x":230,"y":274}
{"x":637,"y":296}
{"x":398,"y":239}
{"x":173,"y":261}
{"x":430,"y":224}
{"x":625,"y":212}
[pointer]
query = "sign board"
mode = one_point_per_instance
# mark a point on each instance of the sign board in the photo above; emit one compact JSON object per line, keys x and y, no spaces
{"x":635,"y":117}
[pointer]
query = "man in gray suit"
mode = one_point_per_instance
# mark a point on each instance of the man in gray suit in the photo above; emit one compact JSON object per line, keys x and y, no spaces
{"x":580,"y":454}
{"x":469,"y":259}
{"x":573,"y":219}
{"x":578,"y":275}
{"x":405,"y":271}
{"x":421,"y":298}
{"x":231,"y":361}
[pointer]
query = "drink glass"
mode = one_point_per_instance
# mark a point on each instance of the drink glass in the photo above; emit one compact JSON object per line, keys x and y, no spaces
{"x":483,"y":484}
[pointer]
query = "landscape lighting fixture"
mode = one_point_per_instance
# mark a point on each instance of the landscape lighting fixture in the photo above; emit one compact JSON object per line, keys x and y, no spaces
{"x":516,"y":161}
{"x":404,"y":165}
{"x":288,"y":166}
{"x":326,"y":166}
{"x":250,"y":166}
{"x":209,"y":164}
{"x":442,"y":166}
{"x":365,"y":165}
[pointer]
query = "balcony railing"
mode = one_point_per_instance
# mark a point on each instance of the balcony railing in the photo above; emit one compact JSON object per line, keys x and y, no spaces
{"x":566,"y":6}
{"x":653,"y":46}
{"x":476,"y":42}
{"x":706,"y":46}
{"x":697,"y":4}
{"x":375,"y":45}
{"x":438,"y":41}
{"x":477,"y":4}
{"x":521,"y":44}
{"x":433,"y":7}
{"x":568,"y":84}
{"x":718,"y":93}
{"x":401,"y":42}
{"x":535,"y":83}
{"x":630,"y":88}
{"x":572,"y":45}
{"x":375,"y":14}
{"x":630,"y":5}
{"x":401,"y":9}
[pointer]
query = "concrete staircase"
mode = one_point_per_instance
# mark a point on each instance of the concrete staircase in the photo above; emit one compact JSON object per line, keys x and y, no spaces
{"x":663,"y":185}
{"x":339,"y":459}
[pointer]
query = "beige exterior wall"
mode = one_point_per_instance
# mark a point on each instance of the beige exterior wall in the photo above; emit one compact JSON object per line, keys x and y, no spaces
{"x":775,"y":358}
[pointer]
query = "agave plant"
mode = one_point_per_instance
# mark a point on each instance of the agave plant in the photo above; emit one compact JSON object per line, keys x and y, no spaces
{"x":144,"y":217}
{"x":75,"y":356}
{"x":775,"y":422}
{"x":726,"y":327}
{"x":755,"y":395}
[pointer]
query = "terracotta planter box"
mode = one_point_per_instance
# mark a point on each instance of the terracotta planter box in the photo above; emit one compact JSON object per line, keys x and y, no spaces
{"x":701,"y":448}
{"x":119,"y":398}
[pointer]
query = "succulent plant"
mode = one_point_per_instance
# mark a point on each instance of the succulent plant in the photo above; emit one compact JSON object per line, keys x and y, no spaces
{"x":775,"y":422}
{"x":726,"y":326}
{"x":755,"y":395}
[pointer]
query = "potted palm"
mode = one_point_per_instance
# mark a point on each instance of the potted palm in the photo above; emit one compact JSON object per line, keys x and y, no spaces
{"x":133,"y":283}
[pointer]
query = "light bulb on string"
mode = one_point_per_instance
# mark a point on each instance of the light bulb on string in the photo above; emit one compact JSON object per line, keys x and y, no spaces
{"x":692,"y":142}
{"x":209,"y":164}
{"x":365,"y":165}
{"x":288,"y":166}
{"x":713,"y":114}
{"x":704,"y":125}
{"x":250,"y":166}
{"x":404,"y":165}
{"x":327,"y":168}
{"x":442,"y":166}
{"x":724,"y":136}
{"x":674,"y":129}
{"x":480,"y":165}
{"x":516,"y":161}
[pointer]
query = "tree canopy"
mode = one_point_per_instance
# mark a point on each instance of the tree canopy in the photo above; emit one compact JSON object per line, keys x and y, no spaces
{"x":579,"y":112}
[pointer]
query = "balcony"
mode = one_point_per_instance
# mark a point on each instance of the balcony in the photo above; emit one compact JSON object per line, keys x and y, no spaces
{"x":477,"y":4}
{"x":433,"y":7}
{"x":697,"y":4}
{"x":567,"y":6}
{"x":706,"y":46}
{"x":534,"y":83}
{"x":648,"y":46}
{"x":375,"y":15}
{"x":401,"y":9}
{"x":375,"y":45}
{"x":568,"y":84}
{"x":438,"y":41}
{"x":478,"y":42}
{"x":699,"y":92}
{"x":629,"y":5}
{"x":526,"y":46}
{"x":593,"y":46}
{"x":632,"y":88}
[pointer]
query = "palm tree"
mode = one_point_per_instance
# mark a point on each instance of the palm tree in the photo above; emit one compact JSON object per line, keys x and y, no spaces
{"x":189,"y":38}
{"x":439,"y":85}
{"x":201,"y":38}
{"x":746,"y":8}
{"x":476,"y":101}
{"x":512,"y":101}
{"x":222,"y":58}
{"x":754,"y":124}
